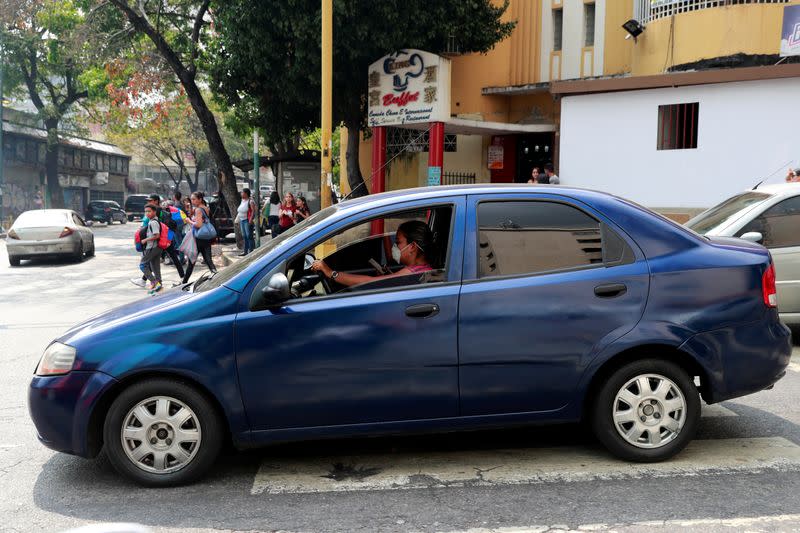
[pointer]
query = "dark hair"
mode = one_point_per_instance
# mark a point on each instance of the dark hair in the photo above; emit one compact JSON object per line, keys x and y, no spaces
{"x":246,"y":191}
{"x":199,"y":196}
{"x":305,"y":203}
{"x":548,"y":167}
{"x":151,"y":207}
{"x":419,"y":233}
{"x":274,"y":198}
{"x":178,"y":195}
{"x":156,"y":198}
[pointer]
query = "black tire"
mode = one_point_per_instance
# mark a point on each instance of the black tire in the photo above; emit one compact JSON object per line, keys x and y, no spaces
{"x":130,"y":218}
{"x":78,"y":255}
{"x":13,"y":261}
{"x":604,"y":405}
{"x":210,"y":425}
{"x":90,"y":252}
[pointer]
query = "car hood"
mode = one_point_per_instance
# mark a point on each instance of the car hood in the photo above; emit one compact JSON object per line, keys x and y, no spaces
{"x":147,"y":306}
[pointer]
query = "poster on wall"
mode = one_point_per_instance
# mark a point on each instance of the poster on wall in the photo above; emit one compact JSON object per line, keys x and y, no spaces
{"x":790,"y":34}
{"x":496,"y":157}
{"x":408,"y":87}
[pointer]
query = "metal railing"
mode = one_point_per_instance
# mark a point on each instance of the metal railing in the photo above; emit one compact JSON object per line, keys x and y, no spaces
{"x":649,"y":10}
{"x":458,"y":178}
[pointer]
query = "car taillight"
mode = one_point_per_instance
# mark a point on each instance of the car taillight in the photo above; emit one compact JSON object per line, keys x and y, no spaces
{"x":66,"y":233}
{"x":12,"y":234}
{"x":768,"y":287}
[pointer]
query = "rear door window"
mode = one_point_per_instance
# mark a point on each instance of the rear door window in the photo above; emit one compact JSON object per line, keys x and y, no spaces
{"x":530,"y":237}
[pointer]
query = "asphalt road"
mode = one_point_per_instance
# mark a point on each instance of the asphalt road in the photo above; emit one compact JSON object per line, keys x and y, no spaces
{"x":742,"y":472}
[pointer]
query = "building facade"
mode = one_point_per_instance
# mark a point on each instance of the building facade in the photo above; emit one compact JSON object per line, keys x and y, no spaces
{"x":570,"y":86}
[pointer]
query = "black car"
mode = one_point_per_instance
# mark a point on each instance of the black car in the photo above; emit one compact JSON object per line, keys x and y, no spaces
{"x":220,"y":215}
{"x":105,"y":211}
{"x":134,"y":205}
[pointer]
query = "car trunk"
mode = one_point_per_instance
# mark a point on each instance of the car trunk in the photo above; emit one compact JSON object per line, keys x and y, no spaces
{"x":44,"y":233}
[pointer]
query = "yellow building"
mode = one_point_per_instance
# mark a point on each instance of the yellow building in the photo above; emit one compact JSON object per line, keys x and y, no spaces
{"x":561,"y":50}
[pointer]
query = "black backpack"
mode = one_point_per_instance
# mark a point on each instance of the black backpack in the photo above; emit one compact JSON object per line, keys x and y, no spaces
{"x":166,"y":217}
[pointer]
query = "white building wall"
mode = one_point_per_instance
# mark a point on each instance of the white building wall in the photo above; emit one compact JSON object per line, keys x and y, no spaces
{"x":747,"y":131}
{"x":572,"y":38}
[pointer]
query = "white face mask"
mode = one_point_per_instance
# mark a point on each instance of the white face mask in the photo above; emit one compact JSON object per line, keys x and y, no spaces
{"x":397,"y":252}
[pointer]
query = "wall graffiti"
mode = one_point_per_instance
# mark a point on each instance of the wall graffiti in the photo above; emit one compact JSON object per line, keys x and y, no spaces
{"x":17,"y":198}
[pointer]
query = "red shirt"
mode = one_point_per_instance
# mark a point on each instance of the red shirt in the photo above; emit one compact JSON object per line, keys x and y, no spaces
{"x":285,"y":220}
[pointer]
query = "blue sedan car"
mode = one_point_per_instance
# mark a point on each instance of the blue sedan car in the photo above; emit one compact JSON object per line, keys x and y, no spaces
{"x":427,"y":310}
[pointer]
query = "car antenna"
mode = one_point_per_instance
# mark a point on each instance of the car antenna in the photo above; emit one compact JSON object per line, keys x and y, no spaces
{"x":757,"y":184}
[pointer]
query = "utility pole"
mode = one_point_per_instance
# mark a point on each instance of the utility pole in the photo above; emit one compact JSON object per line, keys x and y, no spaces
{"x":326,"y":179}
{"x":257,"y":170}
{"x":2,"y":152}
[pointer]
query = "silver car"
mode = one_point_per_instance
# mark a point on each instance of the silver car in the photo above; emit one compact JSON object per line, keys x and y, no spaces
{"x":49,"y":232}
{"x":769,"y":215}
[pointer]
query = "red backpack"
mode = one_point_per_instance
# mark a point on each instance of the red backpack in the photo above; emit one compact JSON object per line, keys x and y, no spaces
{"x":163,"y":236}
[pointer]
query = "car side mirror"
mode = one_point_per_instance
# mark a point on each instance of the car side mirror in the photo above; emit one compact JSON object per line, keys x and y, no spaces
{"x":752,"y":236}
{"x":277,"y":290}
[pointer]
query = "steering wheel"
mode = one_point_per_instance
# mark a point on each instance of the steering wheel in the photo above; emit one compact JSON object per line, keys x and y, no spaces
{"x":310,"y":278}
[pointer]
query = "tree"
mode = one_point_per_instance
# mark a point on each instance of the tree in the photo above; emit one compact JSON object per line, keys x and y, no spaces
{"x":265,"y":61}
{"x":48,"y":46}
{"x":177,"y":30}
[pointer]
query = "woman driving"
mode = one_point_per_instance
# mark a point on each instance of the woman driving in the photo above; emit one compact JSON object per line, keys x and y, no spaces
{"x":412,"y":242}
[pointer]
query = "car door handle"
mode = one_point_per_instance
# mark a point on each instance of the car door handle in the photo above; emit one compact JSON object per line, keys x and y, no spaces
{"x":611,"y":290}
{"x":422,"y":310}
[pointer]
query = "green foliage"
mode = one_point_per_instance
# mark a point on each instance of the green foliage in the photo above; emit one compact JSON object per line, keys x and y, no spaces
{"x":265,"y":60}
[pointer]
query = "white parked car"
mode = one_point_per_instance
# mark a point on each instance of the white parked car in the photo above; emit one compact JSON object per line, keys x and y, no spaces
{"x":769,"y":215}
{"x":49,"y":232}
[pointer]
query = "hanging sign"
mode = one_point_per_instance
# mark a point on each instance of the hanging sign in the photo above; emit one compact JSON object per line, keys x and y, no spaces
{"x":408,"y":87}
{"x":790,"y":34}
{"x":496,"y":157}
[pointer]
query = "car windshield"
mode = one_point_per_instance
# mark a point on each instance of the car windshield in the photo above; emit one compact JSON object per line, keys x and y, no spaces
{"x":722,"y":213}
{"x":230,"y":272}
{"x":41,"y":219}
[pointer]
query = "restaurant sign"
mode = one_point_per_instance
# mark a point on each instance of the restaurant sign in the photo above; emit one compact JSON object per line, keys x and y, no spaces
{"x":790,"y":33}
{"x":408,"y":87}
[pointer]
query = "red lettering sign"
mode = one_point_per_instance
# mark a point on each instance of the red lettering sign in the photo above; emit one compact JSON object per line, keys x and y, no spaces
{"x":402,"y":100}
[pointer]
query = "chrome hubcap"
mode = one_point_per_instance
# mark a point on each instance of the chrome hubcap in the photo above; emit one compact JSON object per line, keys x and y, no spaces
{"x":649,"y":411}
{"x":161,"y":435}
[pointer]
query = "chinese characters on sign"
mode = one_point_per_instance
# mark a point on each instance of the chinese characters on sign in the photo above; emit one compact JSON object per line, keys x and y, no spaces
{"x":409,"y":87}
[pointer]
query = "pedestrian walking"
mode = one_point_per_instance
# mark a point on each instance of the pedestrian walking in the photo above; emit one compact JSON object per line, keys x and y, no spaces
{"x":302,"y":211}
{"x":273,"y":215}
{"x":246,"y":213}
{"x":163,"y":215}
{"x":552,"y":178}
{"x":150,"y":265}
{"x":200,"y":218}
{"x":286,"y":213}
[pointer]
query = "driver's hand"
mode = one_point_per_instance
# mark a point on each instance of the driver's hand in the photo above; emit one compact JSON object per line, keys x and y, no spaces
{"x":320,"y":266}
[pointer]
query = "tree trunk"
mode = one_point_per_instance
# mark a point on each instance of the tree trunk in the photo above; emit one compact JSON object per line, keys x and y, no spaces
{"x":193,"y":184}
{"x":215,"y":145}
{"x":354,"y":177}
{"x":54,"y":190}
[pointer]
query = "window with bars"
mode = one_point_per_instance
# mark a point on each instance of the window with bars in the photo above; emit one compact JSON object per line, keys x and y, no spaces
{"x":406,"y":140}
{"x":649,"y":10}
{"x":588,"y":28}
{"x":677,"y":126}
{"x":558,"y":24}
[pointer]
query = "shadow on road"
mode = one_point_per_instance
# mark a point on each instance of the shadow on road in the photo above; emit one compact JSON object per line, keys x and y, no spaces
{"x":92,"y":490}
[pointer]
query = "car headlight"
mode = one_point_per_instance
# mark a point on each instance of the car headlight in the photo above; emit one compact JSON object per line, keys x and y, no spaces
{"x":57,"y":359}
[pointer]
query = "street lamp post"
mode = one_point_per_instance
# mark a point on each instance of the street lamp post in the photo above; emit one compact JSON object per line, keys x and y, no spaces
{"x":257,"y":170}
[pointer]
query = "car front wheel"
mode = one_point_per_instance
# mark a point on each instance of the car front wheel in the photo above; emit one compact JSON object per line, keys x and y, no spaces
{"x":13,"y":261}
{"x":647,"y":411}
{"x":162,"y":432}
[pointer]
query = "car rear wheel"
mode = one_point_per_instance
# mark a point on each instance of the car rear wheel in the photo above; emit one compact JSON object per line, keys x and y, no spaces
{"x":647,"y":411}
{"x":77,"y":256}
{"x":130,"y":218}
{"x":13,"y":261}
{"x":162,"y":432}
{"x":90,"y":252}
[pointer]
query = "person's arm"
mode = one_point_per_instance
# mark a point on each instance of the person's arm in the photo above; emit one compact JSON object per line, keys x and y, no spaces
{"x":197,"y":221}
{"x":154,"y":237}
{"x":348,"y":280}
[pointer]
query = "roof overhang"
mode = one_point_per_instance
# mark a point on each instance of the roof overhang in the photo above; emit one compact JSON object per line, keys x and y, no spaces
{"x":675,"y":79}
{"x":461,"y":126}
{"x":514,"y":90}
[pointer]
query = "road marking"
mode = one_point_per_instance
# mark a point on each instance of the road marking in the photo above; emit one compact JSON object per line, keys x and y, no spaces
{"x":715,"y":410}
{"x":668,"y":525}
{"x":513,"y":466}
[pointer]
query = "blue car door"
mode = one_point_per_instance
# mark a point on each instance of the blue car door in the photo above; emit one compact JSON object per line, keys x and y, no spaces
{"x":547,"y":284}
{"x":361,"y":355}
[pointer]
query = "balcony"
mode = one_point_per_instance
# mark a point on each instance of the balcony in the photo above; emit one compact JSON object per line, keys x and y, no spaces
{"x":649,"y":10}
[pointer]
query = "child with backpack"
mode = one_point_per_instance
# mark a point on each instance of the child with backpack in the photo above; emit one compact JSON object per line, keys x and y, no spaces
{"x":151,"y":260}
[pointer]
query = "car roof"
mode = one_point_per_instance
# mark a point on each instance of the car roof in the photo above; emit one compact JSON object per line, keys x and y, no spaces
{"x":782,"y":189}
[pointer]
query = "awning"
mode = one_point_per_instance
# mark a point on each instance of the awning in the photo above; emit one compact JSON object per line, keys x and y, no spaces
{"x":461,"y":126}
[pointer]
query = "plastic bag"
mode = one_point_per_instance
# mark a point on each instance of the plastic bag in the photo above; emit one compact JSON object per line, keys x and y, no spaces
{"x":189,"y":247}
